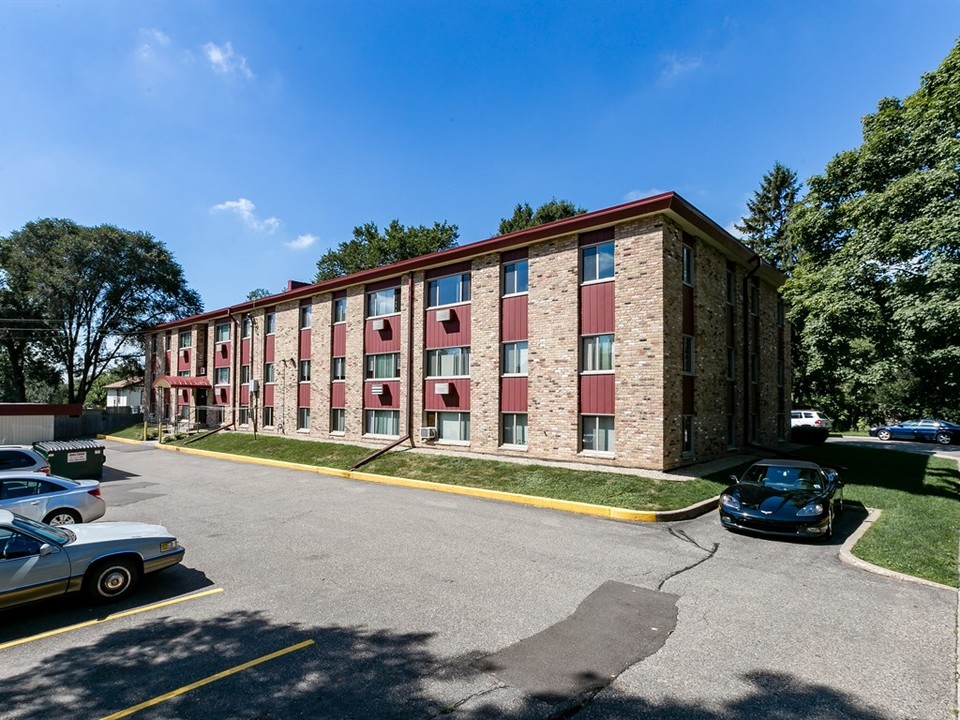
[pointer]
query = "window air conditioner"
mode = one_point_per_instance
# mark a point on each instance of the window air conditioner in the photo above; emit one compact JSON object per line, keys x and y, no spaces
{"x":254,"y":386}
{"x":202,"y":370}
{"x":445,"y":315}
{"x":428,"y":433}
{"x":379,"y":324}
{"x":441,"y":389}
{"x":377,"y":390}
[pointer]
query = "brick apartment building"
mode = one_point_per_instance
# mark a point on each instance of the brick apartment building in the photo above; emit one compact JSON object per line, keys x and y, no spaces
{"x":642,"y":335}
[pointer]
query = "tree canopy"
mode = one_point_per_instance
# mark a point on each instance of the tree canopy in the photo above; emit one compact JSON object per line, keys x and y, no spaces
{"x":371,"y":248}
{"x":526,"y":217}
{"x":877,"y":285}
{"x":765,"y":229}
{"x":90,"y":292}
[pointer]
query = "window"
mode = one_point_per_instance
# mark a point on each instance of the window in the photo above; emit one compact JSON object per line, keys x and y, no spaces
{"x":731,"y":364}
{"x":304,"y":375}
{"x":448,"y":290}
{"x":221,"y":376}
{"x":383,"y":367}
{"x":306,"y":316}
{"x":268,"y":416}
{"x":754,"y":368}
{"x":339,"y":368}
{"x":303,"y":418}
{"x":383,"y":302}
{"x":244,"y":415}
{"x":596,"y":262}
{"x":689,"y":355}
{"x":268,"y":373}
{"x":687,"y":265}
{"x":780,"y":313}
{"x":731,"y":432}
{"x":223,"y":332}
{"x":514,"y":429}
{"x":183,"y":373}
{"x":339,"y":310}
{"x":596,"y":353}
{"x":185,"y":340}
{"x":515,"y":277}
{"x":270,"y":323}
{"x":448,"y":362}
{"x":154,"y":342}
{"x":338,"y":420}
{"x":17,"y":545}
{"x":450,"y":425}
{"x":597,"y":433}
{"x":382,"y":422}
{"x":515,"y":358}
{"x":244,"y":374}
{"x":754,"y":299}
{"x":166,"y":341}
{"x":731,"y":287}
{"x":247,"y":326}
{"x":686,"y":444}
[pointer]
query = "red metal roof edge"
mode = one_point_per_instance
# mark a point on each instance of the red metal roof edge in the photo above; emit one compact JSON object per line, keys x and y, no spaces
{"x":664,"y":202}
{"x":175,"y":381}
{"x":32,"y":409}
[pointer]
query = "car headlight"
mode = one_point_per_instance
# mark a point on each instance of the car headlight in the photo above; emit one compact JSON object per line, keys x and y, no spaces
{"x":169,"y":545}
{"x":730,"y":501}
{"x":811,"y":509}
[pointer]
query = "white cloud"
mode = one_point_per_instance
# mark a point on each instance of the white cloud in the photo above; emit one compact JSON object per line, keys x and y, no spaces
{"x":640,"y":194}
{"x":675,"y":65}
{"x":152,"y":41}
{"x":245,"y":209}
{"x":302,"y":242}
{"x":223,"y":60}
{"x":730,"y":227}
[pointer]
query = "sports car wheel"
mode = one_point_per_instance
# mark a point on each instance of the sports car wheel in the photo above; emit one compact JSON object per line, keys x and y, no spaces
{"x":884,"y":434}
{"x":111,"y":579}
{"x":944,"y":438}
{"x":61,"y":517}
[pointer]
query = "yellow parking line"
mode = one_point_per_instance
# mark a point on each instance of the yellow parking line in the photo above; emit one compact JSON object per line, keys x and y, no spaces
{"x":115,"y":616}
{"x":206,"y":681}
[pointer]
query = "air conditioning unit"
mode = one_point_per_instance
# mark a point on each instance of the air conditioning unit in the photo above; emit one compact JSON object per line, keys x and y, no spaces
{"x":445,"y":315}
{"x":441,"y":389}
{"x":202,"y":370}
{"x":428,"y":433}
{"x":254,"y":386}
{"x":378,"y":390}
{"x":379,"y":324}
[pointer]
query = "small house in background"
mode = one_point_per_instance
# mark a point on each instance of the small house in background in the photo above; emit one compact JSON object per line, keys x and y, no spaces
{"x":126,"y":393}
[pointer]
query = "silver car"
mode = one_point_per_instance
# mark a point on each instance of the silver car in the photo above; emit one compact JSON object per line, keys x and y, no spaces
{"x":54,"y":500}
{"x":105,"y":560}
{"x":22,"y":458}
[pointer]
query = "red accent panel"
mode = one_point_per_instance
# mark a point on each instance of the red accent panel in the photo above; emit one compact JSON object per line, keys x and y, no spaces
{"x":245,"y":351}
{"x":244,"y":394}
{"x":513,"y":313}
{"x":184,"y":397}
{"x":381,"y":285}
{"x":597,"y":308}
{"x":338,"y":340}
{"x":221,"y":358}
{"x":455,"y":269}
{"x":454,"y":333}
{"x":338,"y":395}
{"x":513,"y":255}
{"x":457,"y":399}
{"x":513,"y":394}
{"x":389,"y":399}
{"x":305,"y":344}
{"x":596,"y":236}
{"x":598,"y":394}
{"x":381,"y":341}
{"x":183,"y":360}
{"x":269,"y":348}
{"x":32,"y":409}
{"x":303,"y":395}
{"x":222,"y":396}
{"x":268,"y":395}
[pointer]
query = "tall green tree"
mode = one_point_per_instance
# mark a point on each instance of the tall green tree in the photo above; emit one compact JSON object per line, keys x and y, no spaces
{"x":96,"y":290}
{"x":371,"y":248}
{"x":877,"y":286}
{"x":766,"y":229}
{"x":526,"y":217}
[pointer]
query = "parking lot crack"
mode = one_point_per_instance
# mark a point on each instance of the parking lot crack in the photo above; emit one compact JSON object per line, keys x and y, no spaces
{"x":680,"y":534}
{"x":449,"y":709}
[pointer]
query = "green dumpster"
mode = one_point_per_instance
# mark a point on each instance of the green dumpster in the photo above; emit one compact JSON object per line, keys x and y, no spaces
{"x":74,"y":459}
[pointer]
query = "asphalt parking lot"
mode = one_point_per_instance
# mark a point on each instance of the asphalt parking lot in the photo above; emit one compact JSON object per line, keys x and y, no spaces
{"x":316,"y":597}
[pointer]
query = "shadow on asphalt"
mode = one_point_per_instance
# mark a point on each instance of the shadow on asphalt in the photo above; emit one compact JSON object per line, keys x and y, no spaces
{"x":110,"y":474}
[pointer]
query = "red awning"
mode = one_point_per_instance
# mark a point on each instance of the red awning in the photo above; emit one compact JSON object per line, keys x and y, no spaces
{"x":173,"y":381}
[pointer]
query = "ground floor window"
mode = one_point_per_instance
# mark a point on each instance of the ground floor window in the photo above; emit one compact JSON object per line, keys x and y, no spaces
{"x":514,"y":426}
{"x":597,"y":432}
{"x":731,"y":432}
{"x":382,"y":422}
{"x":303,"y":418}
{"x":338,"y":420}
{"x":687,"y":445}
{"x":450,"y":425}
{"x":244,"y":415}
{"x":184,"y":412}
{"x":268,"y":415}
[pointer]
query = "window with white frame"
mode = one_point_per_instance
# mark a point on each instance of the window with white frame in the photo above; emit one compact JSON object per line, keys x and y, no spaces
{"x":596,"y":353}
{"x":383,"y":366}
{"x":596,"y":262}
{"x":185,"y":339}
{"x":306,"y":316}
{"x":514,"y":429}
{"x":268,"y":415}
{"x":382,"y":422}
{"x":269,"y":374}
{"x":689,"y":355}
{"x":183,"y":373}
{"x":270,"y":323}
{"x":687,"y":435}
{"x":450,"y":425}
{"x":597,"y":433}
{"x":304,"y":373}
{"x":222,"y":332}
{"x":222,"y":376}
{"x":687,"y":263}
{"x":244,"y":374}
{"x":340,"y":310}
{"x":303,"y":418}
{"x":515,"y":278}
{"x":383,"y":302}
{"x":338,"y":368}
{"x":338,"y":420}
{"x":448,"y":290}
{"x":448,"y":362}
{"x":515,"y":358}
{"x":244,"y":415}
{"x":247,"y":326}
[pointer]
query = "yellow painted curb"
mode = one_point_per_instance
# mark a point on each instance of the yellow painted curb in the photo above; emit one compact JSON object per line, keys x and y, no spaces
{"x":114,"y":438}
{"x":571,"y":506}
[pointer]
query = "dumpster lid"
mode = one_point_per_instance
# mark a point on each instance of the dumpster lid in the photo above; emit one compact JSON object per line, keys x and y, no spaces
{"x":60,"y":445}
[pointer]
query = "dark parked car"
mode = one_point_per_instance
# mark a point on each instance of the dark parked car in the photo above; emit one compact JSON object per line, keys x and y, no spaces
{"x":926,"y":430}
{"x":783,"y":497}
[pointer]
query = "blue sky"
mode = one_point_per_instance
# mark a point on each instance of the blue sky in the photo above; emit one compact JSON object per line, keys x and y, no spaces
{"x":252,"y":137}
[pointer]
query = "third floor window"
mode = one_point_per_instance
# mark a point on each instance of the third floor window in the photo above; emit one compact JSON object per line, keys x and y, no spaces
{"x":448,"y":290}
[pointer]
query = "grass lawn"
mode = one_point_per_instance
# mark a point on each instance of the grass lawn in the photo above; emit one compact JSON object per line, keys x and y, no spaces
{"x":917,"y":533}
{"x":135,"y":432}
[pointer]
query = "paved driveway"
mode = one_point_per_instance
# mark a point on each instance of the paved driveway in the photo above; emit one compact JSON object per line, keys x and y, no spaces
{"x":357,"y":600}
{"x":922,"y":448}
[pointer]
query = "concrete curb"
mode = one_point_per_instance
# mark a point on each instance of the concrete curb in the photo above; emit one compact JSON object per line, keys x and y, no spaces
{"x":114,"y":438}
{"x":603,"y":511}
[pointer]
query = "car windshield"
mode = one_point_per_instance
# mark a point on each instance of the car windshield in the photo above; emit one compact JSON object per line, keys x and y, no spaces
{"x":58,"y":536}
{"x":783,"y":477}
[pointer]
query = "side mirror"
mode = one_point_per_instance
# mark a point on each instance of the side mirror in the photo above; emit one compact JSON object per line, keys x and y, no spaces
{"x":735,"y":478}
{"x":45,"y":549}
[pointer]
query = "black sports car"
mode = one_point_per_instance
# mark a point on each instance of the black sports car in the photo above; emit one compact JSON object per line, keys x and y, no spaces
{"x":783,"y":497}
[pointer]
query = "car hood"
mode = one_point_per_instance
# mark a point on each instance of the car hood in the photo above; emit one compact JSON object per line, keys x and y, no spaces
{"x":103,"y":531}
{"x":759,"y":497}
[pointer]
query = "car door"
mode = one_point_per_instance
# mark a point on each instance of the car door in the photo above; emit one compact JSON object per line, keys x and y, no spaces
{"x":30,"y":569}
{"x":926,"y":430}
{"x":24,"y":495}
{"x":905,"y":430}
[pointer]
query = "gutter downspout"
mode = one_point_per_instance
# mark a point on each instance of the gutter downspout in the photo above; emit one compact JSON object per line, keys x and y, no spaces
{"x":746,"y":346}
{"x":234,"y":375}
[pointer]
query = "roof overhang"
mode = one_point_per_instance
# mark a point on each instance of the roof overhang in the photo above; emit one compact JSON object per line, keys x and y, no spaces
{"x":174,"y":381}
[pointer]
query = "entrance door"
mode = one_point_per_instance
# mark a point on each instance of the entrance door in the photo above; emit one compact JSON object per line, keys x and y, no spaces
{"x":201,"y":406}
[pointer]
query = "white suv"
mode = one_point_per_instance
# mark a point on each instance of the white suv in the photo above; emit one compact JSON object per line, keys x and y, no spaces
{"x":813,"y":418}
